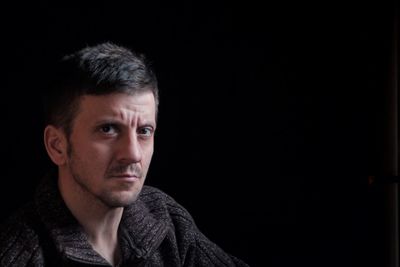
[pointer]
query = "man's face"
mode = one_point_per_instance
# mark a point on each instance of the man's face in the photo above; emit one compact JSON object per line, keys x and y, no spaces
{"x":111,"y":146}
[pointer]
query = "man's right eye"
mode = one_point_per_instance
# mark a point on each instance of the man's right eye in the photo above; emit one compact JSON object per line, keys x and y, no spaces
{"x":108,"y":129}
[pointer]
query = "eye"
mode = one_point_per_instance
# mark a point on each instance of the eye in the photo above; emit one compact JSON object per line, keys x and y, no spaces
{"x":108,"y":129}
{"x":146,"y":131}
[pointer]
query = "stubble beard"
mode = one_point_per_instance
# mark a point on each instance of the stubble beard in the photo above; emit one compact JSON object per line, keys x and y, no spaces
{"x":106,"y":197}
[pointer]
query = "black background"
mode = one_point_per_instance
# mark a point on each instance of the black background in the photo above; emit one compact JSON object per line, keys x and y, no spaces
{"x":272,"y":116}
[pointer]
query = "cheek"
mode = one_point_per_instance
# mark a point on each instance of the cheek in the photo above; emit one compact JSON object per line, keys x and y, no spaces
{"x":95,"y":157}
{"x":146,"y":165}
{"x":101,"y":155}
{"x":149,"y":154}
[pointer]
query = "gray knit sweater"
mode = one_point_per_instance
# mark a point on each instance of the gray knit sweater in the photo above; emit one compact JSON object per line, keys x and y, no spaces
{"x":154,"y":231}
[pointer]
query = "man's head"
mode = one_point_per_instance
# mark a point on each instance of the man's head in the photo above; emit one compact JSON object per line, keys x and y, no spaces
{"x":101,"y":120}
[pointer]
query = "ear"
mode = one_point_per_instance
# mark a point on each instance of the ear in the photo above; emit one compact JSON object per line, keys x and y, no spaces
{"x":56,"y":144}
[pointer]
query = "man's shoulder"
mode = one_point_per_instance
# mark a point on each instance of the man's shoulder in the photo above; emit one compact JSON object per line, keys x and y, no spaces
{"x":151,"y":190}
{"x":17,"y":222}
{"x":194,"y":247}
{"x":159,"y":202}
{"x":18,"y":239}
{"x":153,"y":196}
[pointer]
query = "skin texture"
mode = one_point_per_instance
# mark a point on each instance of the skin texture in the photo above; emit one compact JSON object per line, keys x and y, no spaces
{"x":103,"y":164}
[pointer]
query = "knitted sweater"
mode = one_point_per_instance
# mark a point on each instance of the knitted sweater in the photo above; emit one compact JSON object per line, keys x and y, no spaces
{"x":154,"y":231}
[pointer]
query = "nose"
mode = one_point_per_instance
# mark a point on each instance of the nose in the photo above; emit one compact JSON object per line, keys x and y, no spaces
{"x":130,"y":150}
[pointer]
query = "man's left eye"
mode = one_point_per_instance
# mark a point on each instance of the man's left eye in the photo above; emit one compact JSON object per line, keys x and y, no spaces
{"x":146,"y":131}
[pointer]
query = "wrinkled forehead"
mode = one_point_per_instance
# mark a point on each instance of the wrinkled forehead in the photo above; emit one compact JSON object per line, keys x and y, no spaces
{"x":118,"y":105}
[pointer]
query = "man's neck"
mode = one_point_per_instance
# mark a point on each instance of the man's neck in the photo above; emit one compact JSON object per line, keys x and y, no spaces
{"x":102,"y":231}
{"x":99,"y":221}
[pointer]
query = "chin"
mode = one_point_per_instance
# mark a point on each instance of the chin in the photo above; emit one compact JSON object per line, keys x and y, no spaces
{"x":119,"y":200}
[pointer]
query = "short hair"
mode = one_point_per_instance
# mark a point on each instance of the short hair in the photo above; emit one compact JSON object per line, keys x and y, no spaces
{"x":97,"y":70}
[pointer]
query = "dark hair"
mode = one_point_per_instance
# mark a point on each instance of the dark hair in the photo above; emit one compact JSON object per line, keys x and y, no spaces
{"x":98,"y":70}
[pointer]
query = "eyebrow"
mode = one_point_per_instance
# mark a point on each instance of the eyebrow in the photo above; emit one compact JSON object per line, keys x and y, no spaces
{"x":112,"y":120}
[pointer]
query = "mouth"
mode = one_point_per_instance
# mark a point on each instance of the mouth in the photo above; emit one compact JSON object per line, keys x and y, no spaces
{"x":126,"y":177}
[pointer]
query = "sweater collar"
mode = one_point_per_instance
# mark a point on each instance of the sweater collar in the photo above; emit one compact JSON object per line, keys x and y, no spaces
{"x":140,"y":233}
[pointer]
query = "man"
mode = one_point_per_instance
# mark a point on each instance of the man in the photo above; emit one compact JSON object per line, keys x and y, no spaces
{"x":95,"y":211}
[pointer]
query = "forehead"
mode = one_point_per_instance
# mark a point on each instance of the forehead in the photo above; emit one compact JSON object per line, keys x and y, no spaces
{"x":117,"y":105}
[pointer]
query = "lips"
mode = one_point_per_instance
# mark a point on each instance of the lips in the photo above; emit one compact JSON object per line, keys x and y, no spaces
{"x":125,"y":175}
{"x":125,"y":171}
